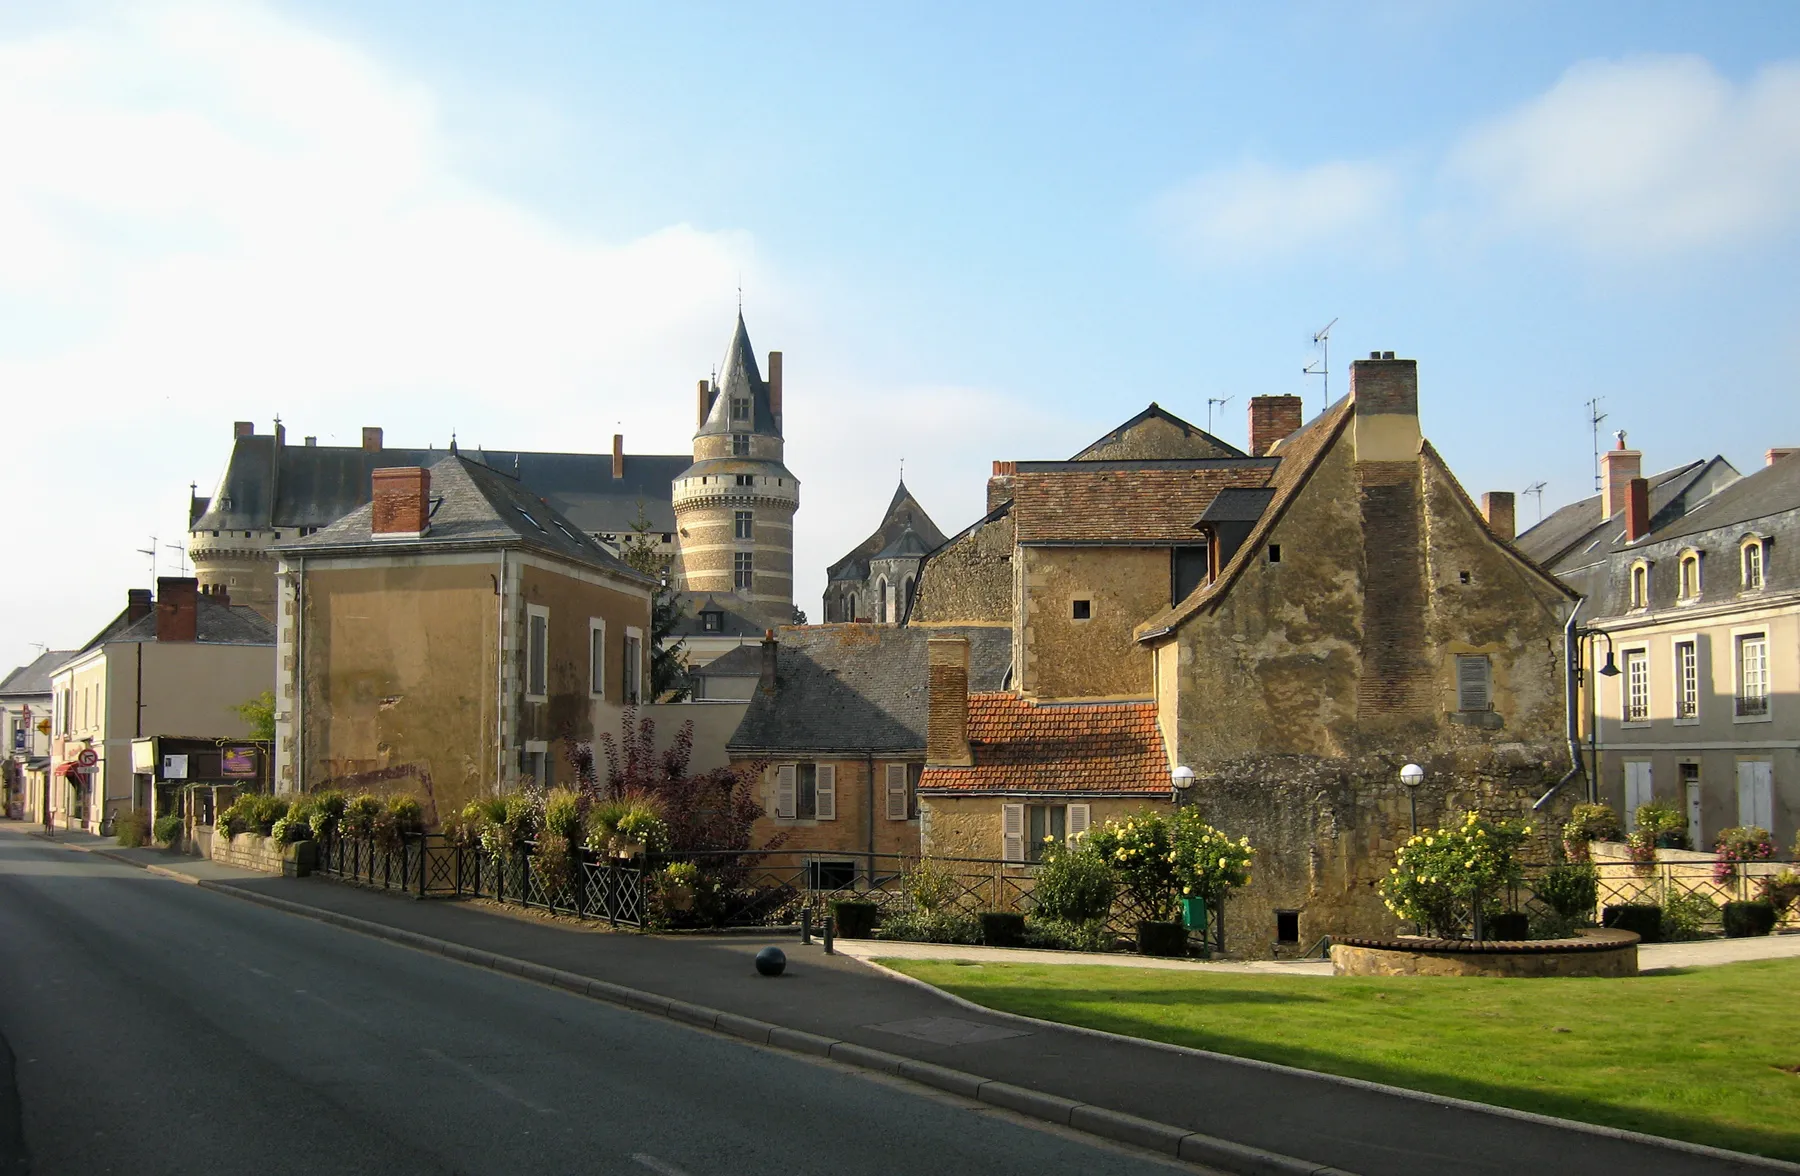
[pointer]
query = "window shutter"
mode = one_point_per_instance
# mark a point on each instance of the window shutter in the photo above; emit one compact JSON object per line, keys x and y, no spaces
{"x":784,"y":792}
{"x":827,"y":792}
{"x":1078,"y":820}
{"x":896,"y":792}
{"x":1472,"y":683}
{"x":1012,"y":832}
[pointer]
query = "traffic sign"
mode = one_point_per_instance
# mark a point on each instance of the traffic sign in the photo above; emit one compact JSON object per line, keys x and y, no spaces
{"x":88,"y":757}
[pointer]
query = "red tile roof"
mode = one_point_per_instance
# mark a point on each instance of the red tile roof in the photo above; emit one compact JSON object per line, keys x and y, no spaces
{"x":1142,"y":505}
{"x":1110,"y":748}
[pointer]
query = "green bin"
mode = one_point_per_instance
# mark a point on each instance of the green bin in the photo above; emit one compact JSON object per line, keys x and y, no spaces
{"x":1193,"y":914}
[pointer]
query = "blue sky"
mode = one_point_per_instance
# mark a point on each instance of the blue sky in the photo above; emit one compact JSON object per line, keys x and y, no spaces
{"x":976,"y":231}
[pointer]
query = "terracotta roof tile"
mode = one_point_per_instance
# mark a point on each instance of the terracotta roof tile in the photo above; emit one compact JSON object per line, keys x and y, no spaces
{"x":1141,"y":502}
{"x":1112,"y":748}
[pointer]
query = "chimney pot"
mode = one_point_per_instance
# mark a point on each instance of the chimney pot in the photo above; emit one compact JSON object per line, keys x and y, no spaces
{"x":177,"y":608}
{"x":1617,"y":468}
{"x":402,"y":502}
{"x":139,"y":603}
{"x":1271,"y":419}
{"x":312,"y":442}
{"x":1775,"y":455}
{"x":618,"y":455}
{"x":243,"y":429}
{"x":1374,"y":355}
{"x":1637,"y":509}
{"x":280,"y":433}
{"x":947,"y":702}
{"x":371,"y":438}
{"x":770,"y":649}
{"x":1497,"y":508}
{"x":1387,"y":355}
{"x":775,"y":383}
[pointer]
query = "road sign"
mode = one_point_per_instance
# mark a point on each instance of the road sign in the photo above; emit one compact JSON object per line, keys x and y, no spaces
{"x":88,"y":757}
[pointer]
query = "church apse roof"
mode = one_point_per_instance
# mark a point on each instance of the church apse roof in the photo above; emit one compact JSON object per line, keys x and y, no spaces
{"x":903,"y":513}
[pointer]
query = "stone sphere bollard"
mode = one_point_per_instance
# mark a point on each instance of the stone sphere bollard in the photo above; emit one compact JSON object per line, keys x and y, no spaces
{"x":771,"y":961}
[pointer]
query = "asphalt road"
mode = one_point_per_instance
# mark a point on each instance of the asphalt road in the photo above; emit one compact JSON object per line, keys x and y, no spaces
{"x":151,"y":1027}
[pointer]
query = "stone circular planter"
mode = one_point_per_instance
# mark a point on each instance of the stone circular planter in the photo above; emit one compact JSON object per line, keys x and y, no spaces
{"x":1590,"y":953}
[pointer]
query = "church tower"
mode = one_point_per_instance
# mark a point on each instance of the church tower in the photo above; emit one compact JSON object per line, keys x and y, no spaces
{"x":734,"y":507}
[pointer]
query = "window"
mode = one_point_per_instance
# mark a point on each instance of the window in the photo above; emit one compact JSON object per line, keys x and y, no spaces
{"x":740,"y":408}
{"x":850,"y":609}
{"x":1640,"y":585}
{"x":1752,"y":676}
{"x":1752,"y":563}
{"x":743,"y":524}
{"x":1474,"y":682}
{"x":596,"y":657}
{"x":1687,"y":681}
{"x":1637,"y":686}
{"x":1047,"y":822}
{"x":1464,"y":578}
{"x":1690,"y":575}
{"x":1287,"y":926}
{"x":712,"y":622}
{"x":1190,"y":571}
{"x":537,"y":762}
{"x":1082,"y":610}
{"x":1025,"y":827}
{"x":633,"y":677}
{"x":743,"y":570}
{"x":740,"y":445}
{"x":1274,"y":553}
{"x":903,"y":791}
{"x":746,"y":479}
{"x":537,"y":651}
{"x":806,"y":792}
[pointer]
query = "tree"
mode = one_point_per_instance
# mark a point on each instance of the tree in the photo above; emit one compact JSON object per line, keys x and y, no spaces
{"x":704,"y":810}
{"x":258,"y":714}
{"x":668,"y":666}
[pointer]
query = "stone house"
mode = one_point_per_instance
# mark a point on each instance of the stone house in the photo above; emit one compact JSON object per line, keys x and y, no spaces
{"x":1691,"y":583}
{"x":453,"y":635}
{"x":836,"y":730}
{"x":1357,"y":613}
{"x":173,"y":664}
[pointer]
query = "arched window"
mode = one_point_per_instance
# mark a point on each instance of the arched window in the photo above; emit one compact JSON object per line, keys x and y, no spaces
{"x":881,"y":601}
{"x":906,"y":595}
{"x":1750,"y":562}
{"x":850,"y":609}
{"x":1690,"y":575}
{"x":1640,"y":585}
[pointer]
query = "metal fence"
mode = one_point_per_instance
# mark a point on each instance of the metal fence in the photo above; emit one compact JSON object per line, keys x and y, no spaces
{"x":1622,"y":883}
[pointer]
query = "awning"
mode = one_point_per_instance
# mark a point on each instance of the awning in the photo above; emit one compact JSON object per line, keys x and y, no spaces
{"x":69,"y":769}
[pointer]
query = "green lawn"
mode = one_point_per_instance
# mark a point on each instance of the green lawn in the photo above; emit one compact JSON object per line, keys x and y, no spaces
{"x":1710,"y":1055}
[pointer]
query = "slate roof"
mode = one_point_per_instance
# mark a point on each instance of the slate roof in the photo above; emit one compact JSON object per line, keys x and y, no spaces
{"x":856,"y":688}
{"x":738,"y":375}
{"x":1237,"y":504}
{"x":214,"y":624}
{"x":1204,"y":441}
{"x":34,"y":679}
{"x":906,"y":546}
{"x":473,"y":505}
{"x":1772,"y":490}
{"x":743,"y":662}
{"x":903,"y":511}
{"x":1125,"y":501}
{"x":1020,"y":746}
{"x":1572,"y":530}
{"x":733,"y":623}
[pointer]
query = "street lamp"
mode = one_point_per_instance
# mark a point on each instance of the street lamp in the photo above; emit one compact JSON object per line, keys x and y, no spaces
{"x":1411,"y":776}
{"x":1180,"y":781}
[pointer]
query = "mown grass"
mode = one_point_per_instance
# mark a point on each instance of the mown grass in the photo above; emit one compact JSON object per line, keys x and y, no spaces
{"x":1709,"y":1055}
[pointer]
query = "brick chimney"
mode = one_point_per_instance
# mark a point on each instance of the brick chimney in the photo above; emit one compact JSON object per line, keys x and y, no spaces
{"x":703,"y":403}
{"x":1386,"y":393}
{"x":243,"y":429}
{"x":947,"y":702}
{"x":312,"y":442}
{"x":177,"y":608}
{"x":775,"y":383}
{"x":770,"y":648}
{"x":1271,"y":419}
{"x":372,"y":438}
{"x":138,"y":605}
{"x":1637,"y":509}
{"x":1497,"y":509}
{"x":618,"y":455}
{"x":1775,"y":455}
{"x":1617,"y":467}
{"x":1000,"y":486}
{"x":402,"y":498}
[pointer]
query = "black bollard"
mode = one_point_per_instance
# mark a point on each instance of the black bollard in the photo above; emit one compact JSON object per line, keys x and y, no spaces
{"x":830,"y":926}
{"x":806,"y":925}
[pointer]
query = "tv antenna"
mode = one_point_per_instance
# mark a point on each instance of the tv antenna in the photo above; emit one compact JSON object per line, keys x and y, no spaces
{"x":180,"y":557}
{"x":1537,"y":489}
{"x":151,"y":552}
{"x":1322,"y":365}
{"x":1595,"y":416}
{"x":1214,"y":402}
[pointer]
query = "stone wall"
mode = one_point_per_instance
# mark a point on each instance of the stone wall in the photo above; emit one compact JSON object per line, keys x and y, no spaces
{"x":969,"y":826}
{"x":246,"y":851}
{"x":968,"y":581}
{"x":1060,"y":655}
{"x":1539,"y":960}
{"x":1154,"y":438}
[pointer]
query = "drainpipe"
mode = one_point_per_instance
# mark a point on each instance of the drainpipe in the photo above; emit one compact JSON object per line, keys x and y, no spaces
{"x":870,"y":757}
{"x":1571,"y":706}
{"x":500,"y":681}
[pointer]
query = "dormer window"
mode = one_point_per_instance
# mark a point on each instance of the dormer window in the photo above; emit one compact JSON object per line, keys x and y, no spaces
{"x":1690,"y":575}
{"x":740,"y":408}
{"x":1640,"y":585}
{"x":1750,"y":563}
{"x":712,"y":622}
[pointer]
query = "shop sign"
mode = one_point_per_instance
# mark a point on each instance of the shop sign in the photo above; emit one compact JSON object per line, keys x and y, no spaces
{"x":237,"y":761}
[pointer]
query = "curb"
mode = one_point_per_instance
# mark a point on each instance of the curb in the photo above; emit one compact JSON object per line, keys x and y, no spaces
{"x":1747,"y":1159}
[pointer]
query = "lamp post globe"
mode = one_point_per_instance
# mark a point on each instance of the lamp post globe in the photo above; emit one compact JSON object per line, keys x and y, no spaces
{"x":1411,"y":776}
{"x":1180,"y":780}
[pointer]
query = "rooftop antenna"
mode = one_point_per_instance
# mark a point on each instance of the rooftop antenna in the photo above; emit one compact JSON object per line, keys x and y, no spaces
{"x":1595,"y":416}
{"x":1211,"y":402}
{"x":1537,"y":489}
{"x":151,"y":552}
{"x":181,"y":557}
{"x":1322,"y":365}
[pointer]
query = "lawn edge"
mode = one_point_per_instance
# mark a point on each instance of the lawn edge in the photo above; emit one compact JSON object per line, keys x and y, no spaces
{"x":1444,"y":1100}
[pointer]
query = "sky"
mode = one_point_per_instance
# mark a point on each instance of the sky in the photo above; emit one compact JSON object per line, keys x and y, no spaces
{"x":976,"y":232}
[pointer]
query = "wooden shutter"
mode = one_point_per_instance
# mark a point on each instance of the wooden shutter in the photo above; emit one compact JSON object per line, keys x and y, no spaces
{"x":784,"y":792}
{"x":827,"y":782}
{"x":896,"y":792}
{"x":1755,"y":794}
{"x":1472,"y":683}
{"x":1012,"y":832}
{"x":1078,"y":820}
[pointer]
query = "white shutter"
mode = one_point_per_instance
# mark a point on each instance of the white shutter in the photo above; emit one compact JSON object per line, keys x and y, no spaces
{"x":1012,"y":832}
{"x":1755,"y":799}
{"x":784,"y":792}
{"x":1078,"y":820}
{"x":827,"y":781}
{"x":1639,"y":790}
{"x":896,"y":792}
{"x":1472,"y":683}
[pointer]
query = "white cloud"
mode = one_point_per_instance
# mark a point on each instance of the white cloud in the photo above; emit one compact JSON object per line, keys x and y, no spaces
{"x":1643,"y":156}
{"x":1255,"y":212}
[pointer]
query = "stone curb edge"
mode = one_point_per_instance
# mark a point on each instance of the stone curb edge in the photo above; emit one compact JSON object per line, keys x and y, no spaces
{"x":1745,"y":1159}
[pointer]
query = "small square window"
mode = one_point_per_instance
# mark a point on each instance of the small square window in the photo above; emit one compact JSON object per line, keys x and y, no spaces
{"x":1082,"y":610}
{"x":1287,"y":926}
{"x":746,"y":479}
{"x":1464,"y":577}
{"x":1274,"y":553}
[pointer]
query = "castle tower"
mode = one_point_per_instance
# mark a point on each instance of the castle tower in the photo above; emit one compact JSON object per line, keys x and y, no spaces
{"x":734,"y":507}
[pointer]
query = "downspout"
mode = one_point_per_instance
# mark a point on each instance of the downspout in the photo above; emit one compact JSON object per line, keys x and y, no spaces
{"x":300,"y":676}
{"x":500,"y":680}
{"x":870,"y":757}
{"x":1571,"y":709}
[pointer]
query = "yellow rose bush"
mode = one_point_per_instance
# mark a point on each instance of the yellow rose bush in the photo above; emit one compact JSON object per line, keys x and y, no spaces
{"x":1441,"y":876}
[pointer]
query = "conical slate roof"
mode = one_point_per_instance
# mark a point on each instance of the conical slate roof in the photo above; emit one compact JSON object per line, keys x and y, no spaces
{"x":739,"y":377}
{"x":903,"y":514}
{"x":907,"y":545}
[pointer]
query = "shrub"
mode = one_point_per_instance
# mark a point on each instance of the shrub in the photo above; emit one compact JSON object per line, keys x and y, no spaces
{"x":1138,"y":850}
{"x":1441,"y":874}
{"x":562,"y":814}
{"x":1002,"y":929}
{"x":1041,"y":931}
{"x":1780,"y":891}
{"x":931,"y":887}
{"x":407,"y":813}
{"x":1589,"y":822}
{"x":1155,"y":938}
{"x":264,"y":810}
{"x":1509,"y":925}
{"x":1741,"y":843}
{"x":553,"y":864}
{"x":358,"y":819}
{"x":1745,"y":919}
{"x":1659,"y":825}
{"x":168,"y":828}
{"x":286,"y":830}
{"x":854,"y":920}
{"x":1207,"y":863}
{"x":642,"y":827}
{"x":328,"y":810}
{"x":921,"y":926}
{"x":1074,"y":884}
{"x":603,"y":823}
{"x":1684,"y":915}
{"x":1571,"y":889}
{"x":132,"y":828}
{"x":1644,"y":918}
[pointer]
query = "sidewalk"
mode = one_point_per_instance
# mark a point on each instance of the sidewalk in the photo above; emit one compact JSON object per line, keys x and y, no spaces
{"x":871,"y":949}
{"x":1357,"y":1127}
